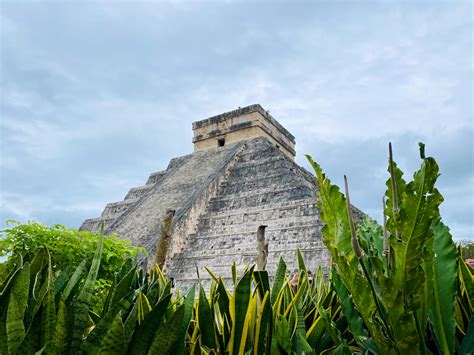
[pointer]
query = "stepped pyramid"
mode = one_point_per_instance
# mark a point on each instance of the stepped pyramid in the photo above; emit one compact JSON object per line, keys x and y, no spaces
{"x":241,"y":176}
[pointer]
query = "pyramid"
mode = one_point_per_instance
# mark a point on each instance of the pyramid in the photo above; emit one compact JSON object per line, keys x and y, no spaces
{"x":241,"y":176}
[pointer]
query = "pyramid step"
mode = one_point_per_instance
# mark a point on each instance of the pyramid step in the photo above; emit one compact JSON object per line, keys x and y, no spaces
{"x":137,"y":192}
{"x":116,"y":209}
{"x":155,"y":177}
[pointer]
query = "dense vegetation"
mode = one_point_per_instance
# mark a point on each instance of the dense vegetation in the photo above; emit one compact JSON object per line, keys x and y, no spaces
{"x":467,"y":248}
{"x":67,"y":247}
{"x":400,"y":288}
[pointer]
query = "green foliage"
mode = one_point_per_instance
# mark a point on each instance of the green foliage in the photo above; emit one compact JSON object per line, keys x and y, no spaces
{"x":404,"y":284}
{"x":380,"y":299}
{"x":68,"y":248}
{"x":467,"y":248}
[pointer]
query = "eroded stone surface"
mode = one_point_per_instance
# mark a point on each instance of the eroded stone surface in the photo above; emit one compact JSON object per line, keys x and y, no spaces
{"x":222,"y":195}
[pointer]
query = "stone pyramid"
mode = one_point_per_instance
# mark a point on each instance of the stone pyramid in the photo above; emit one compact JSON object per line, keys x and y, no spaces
{"x":241,"y":176}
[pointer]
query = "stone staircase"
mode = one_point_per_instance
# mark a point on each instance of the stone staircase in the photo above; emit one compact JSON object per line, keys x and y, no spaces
{"x":263,"y":187}
{"x":138,"y":216}
{"x":184,"y":178}
{"x":113,"y":211}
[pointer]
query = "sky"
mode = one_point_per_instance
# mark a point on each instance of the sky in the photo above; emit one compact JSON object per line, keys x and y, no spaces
{"x":96,"y":95}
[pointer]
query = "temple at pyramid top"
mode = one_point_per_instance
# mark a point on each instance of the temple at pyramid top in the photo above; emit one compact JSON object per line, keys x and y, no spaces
{"x":242,"y":124}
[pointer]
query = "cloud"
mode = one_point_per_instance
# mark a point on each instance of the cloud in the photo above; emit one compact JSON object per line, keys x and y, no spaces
{"x":95,"y":97}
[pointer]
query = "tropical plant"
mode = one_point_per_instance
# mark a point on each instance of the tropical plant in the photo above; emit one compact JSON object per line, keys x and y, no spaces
{"x":467,"y":248}
{"x":410,"y":291}
{"x":258,"y":319}
{"x":67,"y":248}
{"x":47,"y":311}
{"x":400,"y":288}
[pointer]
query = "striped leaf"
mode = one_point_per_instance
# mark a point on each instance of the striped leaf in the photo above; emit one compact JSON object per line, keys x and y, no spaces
{"x":59,"y":338}
{"x":278,"y":280}
{"x":188,"y":313}
{"x":113,"y":342}
{"x":143,"y":334}
{"x":166,"y":336}
{"x":239,"y":306}
{"x":205,"y":321}
{"x":262,"y":329}
{"x":82,"y":303}
{"x":15,"y":329}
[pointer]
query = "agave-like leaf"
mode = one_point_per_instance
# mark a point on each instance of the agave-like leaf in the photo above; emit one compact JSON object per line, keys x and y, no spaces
{"x":466,"y":279}
{"x":205,"y":321}
{"x":94,"y":341}
{"x":282,"y":334}
{"x":73,"y":280}
{"x":278,"y":280}
{"x":59,"y":336}
{"x":15,"y":329}
{"x":301,"y":346}
{"x":262,"y":328}
{"x":38,"y":262}
{"x":262,"y":282}
{"x":239,"y":307}
{"x":178,"y":348}
{"x":143,"y":334}
{"x":234,"y":273}
{"x":166,"y":335}
{"x":130,"y":324}
{"x":223,"y":299}
{"x":123,"y":287}
{"x":61,"y":281}
{"x":315,"y":332}
{"x":113,"y":341}
{"x":49,"y":308}
{"x":82,"y":302}
{"x":301,"y":263}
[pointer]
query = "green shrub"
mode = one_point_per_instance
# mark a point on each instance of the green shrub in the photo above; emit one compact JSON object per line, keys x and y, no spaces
{"x":67,"y":246}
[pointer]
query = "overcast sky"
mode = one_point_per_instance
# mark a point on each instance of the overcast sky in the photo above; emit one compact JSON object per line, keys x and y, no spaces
{"x":97,"y":95}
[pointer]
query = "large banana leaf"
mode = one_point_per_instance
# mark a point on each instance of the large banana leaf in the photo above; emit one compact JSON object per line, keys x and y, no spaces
{"x":337,"y":238}
{"x":355,"y":322}
{"x":442,"y":313}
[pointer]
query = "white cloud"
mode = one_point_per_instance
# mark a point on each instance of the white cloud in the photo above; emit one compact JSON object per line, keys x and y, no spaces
{"x":103,"y":95}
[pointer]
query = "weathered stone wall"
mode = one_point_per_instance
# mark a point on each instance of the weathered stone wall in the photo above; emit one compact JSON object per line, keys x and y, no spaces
{"x":111,"y":215}
{"x":221,"y":197}
{"x":185,"y":177}
{"x":187,"y":218}
{"x":242,"y":124}
{"x":262,"y":188}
